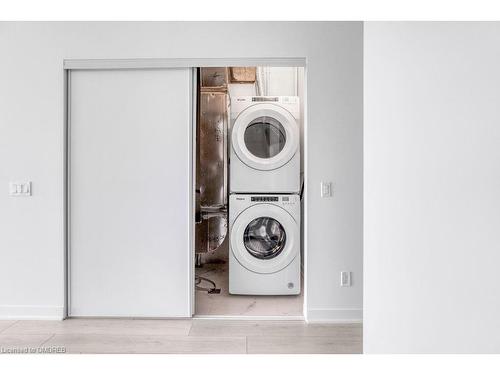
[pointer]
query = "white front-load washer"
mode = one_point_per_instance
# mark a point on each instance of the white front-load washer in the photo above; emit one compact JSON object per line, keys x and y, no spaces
{"x":264,"y":244}
{"x":265,"y":144}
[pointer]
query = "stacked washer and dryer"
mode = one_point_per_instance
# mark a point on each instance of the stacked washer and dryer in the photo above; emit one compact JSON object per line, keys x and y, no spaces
{"x":264,"y":202}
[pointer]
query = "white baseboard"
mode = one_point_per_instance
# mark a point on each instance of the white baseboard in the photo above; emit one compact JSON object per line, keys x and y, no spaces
{"x":334,"y":315}
{"x":31,"y":312}
{"x":250,"y":317}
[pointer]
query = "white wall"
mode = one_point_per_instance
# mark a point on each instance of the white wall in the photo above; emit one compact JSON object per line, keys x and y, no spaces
{"x":432,"y":185}
{"x":31,"y":143}
{"x":279,"y":81}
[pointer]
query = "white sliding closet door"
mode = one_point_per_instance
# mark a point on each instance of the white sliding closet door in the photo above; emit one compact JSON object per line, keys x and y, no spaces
{"x":130,"y":186}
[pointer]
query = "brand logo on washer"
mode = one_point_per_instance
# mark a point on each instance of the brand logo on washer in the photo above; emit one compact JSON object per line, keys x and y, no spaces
{"x":240,"y":199}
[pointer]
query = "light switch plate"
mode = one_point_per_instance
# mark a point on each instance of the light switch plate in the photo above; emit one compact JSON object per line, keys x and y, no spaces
{"x":326,"y":189}
{"x":345,"y":278}
{"x":20,"y":188}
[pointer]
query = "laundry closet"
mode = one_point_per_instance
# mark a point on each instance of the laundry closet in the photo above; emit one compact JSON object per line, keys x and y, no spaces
{"x":249,"y":185}
{"x":184,"y":189}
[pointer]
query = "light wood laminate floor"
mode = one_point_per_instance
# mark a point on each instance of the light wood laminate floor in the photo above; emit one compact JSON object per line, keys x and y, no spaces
{"x":196,"y":336}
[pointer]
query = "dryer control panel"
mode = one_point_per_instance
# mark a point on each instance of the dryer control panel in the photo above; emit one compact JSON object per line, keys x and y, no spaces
{"x":275,"y":99}
{"x":289,"y":199}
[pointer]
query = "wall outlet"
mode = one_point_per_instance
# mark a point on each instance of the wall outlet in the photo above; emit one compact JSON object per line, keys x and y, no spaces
{"x":326,"y":189}
{"x":345,"y":278}
{"x":20,"y":189}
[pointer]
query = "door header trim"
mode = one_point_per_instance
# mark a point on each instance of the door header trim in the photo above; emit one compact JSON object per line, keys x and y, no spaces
{"x":157,"y":63}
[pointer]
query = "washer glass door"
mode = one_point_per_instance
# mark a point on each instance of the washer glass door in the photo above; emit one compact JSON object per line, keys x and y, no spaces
{"x":264,"y":238}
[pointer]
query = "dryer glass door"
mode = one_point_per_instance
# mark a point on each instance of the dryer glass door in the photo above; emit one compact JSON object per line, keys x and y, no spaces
{"x":264,"y":238}
{"x":265,"y":137}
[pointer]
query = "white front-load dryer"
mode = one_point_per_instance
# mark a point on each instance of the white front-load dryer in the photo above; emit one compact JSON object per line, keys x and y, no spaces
{"x":265,"y":144}
{"x":264,"y":244}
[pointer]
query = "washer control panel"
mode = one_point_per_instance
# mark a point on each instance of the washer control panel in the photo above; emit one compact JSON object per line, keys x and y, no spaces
{"x":264,"y":198}
{"x":289,"y":199}
{"x":284,"y":199}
